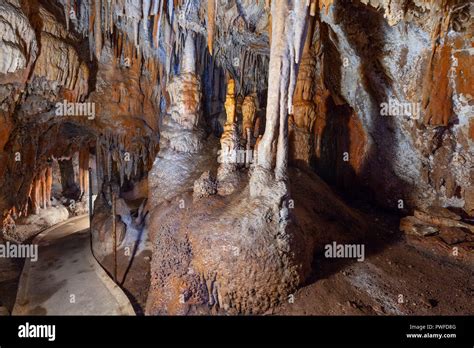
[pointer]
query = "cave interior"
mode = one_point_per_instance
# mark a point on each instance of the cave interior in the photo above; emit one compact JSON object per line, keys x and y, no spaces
{"x":230,"y":149}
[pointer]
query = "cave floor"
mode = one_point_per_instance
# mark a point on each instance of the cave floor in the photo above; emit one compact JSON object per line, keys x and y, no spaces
{"x":399,"y":280}
{"x":133,"y":275}
{"x":401,"y":275}
{"x":66,"y":279}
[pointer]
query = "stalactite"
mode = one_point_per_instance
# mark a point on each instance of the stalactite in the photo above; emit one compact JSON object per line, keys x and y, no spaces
{"x":37,"y":195}
{"x":98,"y":28}
{"x":313,"y":8}
{"x":301,"y":12}
{"x":120,"y":45}
{"x":49,"y":185}
{"x":67,"y":13}
{"x":189,"y":55}
{"x":84,"y":170}
{"x":99,"y":163}
{"x":155,"y":30}
{"x":146,"y":11}
{"x":42,"y":178}
{"x":136,"y":32}
{"x":286,"y":39}
{"x":211,"y":23}
{"x":92,"y":6}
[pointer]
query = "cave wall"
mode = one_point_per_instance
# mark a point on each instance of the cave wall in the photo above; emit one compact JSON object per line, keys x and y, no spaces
{"x":412,"y":53}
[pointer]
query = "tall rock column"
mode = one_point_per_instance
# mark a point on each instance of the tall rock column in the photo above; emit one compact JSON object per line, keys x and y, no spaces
{"x":84,"y":171}
{"x":35,"y":195}
{"x":49,"y":184}
{"x":304,"y":109}
{"x":43,"y":197}
{"x":249,"y":110}
{"x":229,"y":157}
{"x":288,"y":28}
{"x":181,"y":129}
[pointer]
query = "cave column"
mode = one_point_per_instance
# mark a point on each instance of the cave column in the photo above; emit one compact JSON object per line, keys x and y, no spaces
{"x":34,"y":195}
{"x":84,"y":171}
{"x":67,"y":178}
{"x":249,"y":111}
{"x":43,"y":198}
{"x":49,"y":185}
{"x":304,"y":108}
{"x":230,"y":156}
{"x":287,"y":39}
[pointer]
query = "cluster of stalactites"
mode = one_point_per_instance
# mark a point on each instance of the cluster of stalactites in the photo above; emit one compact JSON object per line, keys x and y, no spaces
{"x":396,"y":11}
{"x":97,"y":19}
{"x":123,"y":155}
{"x":239,"y":43}
{"x":158,"y":29}
{"x":66,"y":67}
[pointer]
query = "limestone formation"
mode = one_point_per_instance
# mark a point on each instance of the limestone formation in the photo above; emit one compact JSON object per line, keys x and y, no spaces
{"x":18,"y":45}
{"x":230,"y":152}
{"x":304,"y":109}
{"x":249,"y":110}
{"x":205,"y":186}
{"x":181,"y":128}
{"x":220,"y":131}
{"x":84,"y":172}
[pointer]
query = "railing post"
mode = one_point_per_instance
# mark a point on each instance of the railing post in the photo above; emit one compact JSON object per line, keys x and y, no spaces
{"x":114,"y":231}
{"x":90,"y":199}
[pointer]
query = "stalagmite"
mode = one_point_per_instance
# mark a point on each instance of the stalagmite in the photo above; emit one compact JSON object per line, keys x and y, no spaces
{"x":230,"y":102}
{"x":304,"y":109}
{"x":249,"y":110}
{"x":182,"y":130}
{"x":230,"y":156}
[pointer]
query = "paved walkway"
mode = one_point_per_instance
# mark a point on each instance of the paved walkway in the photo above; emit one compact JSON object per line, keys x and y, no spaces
{"x":66,"y":279}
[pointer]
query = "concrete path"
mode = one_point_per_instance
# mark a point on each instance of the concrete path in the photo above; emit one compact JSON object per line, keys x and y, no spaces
{"x":66,"y":279}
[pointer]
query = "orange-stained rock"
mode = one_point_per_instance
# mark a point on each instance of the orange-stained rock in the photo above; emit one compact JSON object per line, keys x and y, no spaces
{"x":437,"y":91}
{"x":229,"y":157}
